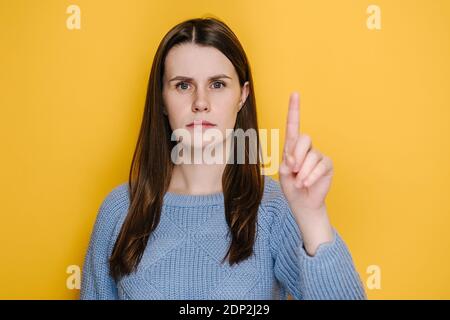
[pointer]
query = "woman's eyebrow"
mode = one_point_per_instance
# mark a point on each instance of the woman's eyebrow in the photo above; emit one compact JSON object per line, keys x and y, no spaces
{"x":218,"y":76}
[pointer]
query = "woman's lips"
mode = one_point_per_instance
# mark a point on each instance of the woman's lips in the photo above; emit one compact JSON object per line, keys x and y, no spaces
{"x":200,"y":123}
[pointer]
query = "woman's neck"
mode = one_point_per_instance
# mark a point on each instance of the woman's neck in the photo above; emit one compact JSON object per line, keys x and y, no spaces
{"x":196,"y":179}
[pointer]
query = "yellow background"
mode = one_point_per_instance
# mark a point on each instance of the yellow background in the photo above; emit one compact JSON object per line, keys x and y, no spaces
{"x":376,"y":102}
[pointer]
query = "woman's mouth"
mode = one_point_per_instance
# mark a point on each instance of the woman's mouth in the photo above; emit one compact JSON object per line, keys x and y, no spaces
{"x":200,"y":124}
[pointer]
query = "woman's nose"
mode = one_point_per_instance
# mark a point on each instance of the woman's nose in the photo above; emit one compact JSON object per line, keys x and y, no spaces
{"x":200,"y":107}
{"x":200,"y":103}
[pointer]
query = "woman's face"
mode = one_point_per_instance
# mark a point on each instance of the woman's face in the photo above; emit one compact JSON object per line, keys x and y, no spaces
{"x":200,"y":83}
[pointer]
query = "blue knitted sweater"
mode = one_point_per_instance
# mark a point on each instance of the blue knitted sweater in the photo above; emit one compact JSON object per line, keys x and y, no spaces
{"x":183,"y":256}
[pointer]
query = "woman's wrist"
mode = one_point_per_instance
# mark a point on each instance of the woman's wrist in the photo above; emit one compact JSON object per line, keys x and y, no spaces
{"x":315,"y":228}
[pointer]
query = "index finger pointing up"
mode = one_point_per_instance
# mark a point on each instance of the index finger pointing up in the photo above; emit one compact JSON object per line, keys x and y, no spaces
{"x":293,"y":122}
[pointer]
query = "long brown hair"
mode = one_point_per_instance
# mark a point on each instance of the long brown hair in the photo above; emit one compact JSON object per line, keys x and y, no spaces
{"x":151,"y":166}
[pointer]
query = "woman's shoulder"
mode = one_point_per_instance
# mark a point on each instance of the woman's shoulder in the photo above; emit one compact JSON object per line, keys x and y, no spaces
{"x":114,"y":206}
{"x":273,"y":202}
{"x":118,"y":197}
{"x":273,"y":193}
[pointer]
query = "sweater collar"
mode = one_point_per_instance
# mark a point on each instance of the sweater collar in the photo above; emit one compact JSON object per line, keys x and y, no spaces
{"x":189,"y":200}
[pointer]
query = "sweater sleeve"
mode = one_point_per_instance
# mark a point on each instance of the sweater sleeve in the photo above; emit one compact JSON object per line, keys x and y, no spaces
{"x":328,"y":275}
{"x":96,"y":282}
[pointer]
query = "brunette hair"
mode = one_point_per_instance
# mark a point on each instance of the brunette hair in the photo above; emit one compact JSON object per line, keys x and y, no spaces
{"x":151,"y":166}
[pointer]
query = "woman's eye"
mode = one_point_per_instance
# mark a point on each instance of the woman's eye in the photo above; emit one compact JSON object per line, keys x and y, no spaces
{"x":182,"y":85}
{"x":218,"y":84}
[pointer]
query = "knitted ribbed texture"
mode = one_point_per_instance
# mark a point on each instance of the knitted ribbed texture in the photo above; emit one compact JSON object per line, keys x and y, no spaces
{"x":183,"y":256}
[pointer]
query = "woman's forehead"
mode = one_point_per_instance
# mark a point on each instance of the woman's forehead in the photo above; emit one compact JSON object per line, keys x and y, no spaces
{"x":198,"y":62}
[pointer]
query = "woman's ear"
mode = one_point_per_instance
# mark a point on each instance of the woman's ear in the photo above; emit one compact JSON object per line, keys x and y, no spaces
{"x":164,"y":110}
{"x":244,"y":94}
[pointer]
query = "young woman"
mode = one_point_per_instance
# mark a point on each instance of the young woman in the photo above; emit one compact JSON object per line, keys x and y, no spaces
{"x":223,"y":230}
